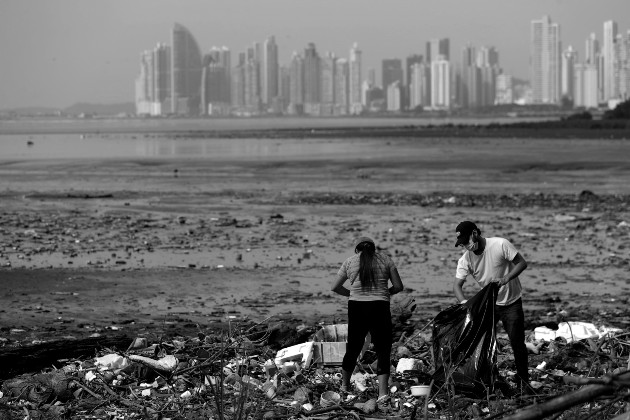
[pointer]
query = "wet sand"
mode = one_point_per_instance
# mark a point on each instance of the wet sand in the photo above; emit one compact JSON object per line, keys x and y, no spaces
{"x":166,"y":245}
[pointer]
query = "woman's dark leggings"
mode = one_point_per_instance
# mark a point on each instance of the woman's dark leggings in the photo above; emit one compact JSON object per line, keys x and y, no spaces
{"x":373,"y":317}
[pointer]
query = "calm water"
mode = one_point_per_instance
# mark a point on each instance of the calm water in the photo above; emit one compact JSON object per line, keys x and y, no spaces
{"x":136,"y":139}
{"x":64,"y":146}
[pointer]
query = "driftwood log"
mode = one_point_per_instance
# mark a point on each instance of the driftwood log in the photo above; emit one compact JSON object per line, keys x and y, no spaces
{"x":563,"y":402}
{"x":18,"y":360}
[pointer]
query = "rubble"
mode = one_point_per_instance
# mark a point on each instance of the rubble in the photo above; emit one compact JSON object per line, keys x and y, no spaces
{"x":236,"y":373}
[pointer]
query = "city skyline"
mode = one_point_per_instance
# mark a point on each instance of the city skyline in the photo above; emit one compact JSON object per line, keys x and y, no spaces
{"x":88,"y":52}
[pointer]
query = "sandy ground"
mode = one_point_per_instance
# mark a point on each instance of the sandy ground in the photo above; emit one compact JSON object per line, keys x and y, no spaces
{"x":168,"y":246}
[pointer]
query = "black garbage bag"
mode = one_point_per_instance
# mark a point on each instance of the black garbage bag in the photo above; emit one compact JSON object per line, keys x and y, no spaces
{"x":465,"y":346}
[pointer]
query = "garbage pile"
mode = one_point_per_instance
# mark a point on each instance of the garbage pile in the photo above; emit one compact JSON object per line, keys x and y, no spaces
{"x":235,"y":373}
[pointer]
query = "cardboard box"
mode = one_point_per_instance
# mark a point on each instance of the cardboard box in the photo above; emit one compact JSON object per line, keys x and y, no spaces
{"x":329,"y":353}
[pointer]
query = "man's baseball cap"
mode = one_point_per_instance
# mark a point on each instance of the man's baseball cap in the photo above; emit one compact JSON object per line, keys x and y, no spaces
{"x":463,"y":231}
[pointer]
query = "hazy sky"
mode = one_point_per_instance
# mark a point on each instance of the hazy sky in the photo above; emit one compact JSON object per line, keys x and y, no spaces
{"x":59,"y":52}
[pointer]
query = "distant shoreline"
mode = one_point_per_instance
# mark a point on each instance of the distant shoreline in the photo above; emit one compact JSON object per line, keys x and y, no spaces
{"x":326,"y":127}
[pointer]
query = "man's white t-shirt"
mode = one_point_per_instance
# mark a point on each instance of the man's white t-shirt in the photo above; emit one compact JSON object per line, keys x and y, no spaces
{"x":493,"y":264}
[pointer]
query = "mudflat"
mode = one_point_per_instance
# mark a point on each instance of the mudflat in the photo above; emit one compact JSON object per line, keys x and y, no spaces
{"x":170,"y":243}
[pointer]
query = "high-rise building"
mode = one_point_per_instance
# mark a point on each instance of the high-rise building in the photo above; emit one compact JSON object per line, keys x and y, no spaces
{"x":392,"y":71}
{"x":215,"y":81}
{"x":600,"y":78}
{"x":488,"y":84}
{"x":296,"y":74}
{"x":221,"y":56}
{"x":270,"y":68}
{"x":487,"y":57}
{"x":608,"y":53}
{"x":162,"y":76}
{"x":469,"y":87}
{"x":438,"y":47}
{"x":237,"y":84}
{"x":312,"y":80}
{"x":440,"y":83}
{"x":153,"y":85}
{"x":591,"y":49}
{"x":406,"y":83}
{"x":505,"y":91}
{"x":354,"y":68}
{"x":342,"y":84}
{"x":586,"y":85}
{"x":569,"y":59}
{"x":253,"y":102}
{"x":284,"y":87}
{"x":624,"y":66}
{"x":591,"y":90}
{"x":327,"y":72}
{"x":365,"y":89}
{"x":394,"y":96}
{"x":144,"y":93}
{"x":409,"y":62}
{"x":185,"y":72}
{"x":545,"y":61}
{"x":420,"y":79}
{"x":371,"y":76}
{"x":373,"y":97}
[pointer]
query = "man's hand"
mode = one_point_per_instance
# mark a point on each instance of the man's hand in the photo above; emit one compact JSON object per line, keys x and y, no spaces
{"x":503,"y":281}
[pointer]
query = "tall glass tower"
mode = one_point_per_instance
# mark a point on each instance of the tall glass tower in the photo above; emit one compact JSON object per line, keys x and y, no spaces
{"x":185,"y":72}
{"x":354,"y":68}
{"x":545,"y":61}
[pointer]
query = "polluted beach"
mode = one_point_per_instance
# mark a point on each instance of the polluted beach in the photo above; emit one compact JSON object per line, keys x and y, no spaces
{"x":281,"y":210}
{"x":177,"y":287}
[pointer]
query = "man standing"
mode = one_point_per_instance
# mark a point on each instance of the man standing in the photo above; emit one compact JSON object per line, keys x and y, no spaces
{"x":496,"y":260}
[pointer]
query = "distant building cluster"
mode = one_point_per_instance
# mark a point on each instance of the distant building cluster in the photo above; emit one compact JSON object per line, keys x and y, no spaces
{"x":177,"y":79}
{"x":558,"y":76}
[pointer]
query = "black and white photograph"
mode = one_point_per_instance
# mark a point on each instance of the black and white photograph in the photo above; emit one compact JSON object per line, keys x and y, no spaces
{"x":314,"y":209}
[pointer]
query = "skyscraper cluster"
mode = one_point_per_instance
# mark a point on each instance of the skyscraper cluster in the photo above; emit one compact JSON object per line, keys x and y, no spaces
{"x":180,"y":80}
{"x":560,"y":76}
{"x":177,"y":79}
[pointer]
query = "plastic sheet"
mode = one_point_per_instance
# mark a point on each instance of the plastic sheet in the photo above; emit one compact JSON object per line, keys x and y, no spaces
{"x":464,"y":344}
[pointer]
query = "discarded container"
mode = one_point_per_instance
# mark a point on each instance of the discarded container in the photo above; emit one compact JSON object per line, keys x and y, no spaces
{"x":165,"y":364}
{"x":330,"y":344}
{"x":290,"y":367}
{"x":329,"y":398}
{"x":302,"y":353}
{"x":138,"y":343}
{"x":335,"y":332}
{"x":111,"y":362}
{"x":420,"y":390}
{"x":270,"y":367}
{"x":544,"y":333}
{"x":269,"y":389}
{"x":408,"y":364}
{"x":329,"y":353}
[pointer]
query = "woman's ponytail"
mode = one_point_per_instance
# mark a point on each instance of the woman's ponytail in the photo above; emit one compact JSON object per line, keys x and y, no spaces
{"x":366,"y":268}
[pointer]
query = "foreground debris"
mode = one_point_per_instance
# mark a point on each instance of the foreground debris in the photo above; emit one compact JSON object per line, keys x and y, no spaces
{"x":241,"y":372}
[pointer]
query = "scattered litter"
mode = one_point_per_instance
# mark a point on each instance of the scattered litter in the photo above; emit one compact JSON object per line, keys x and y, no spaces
{"x":177,"y":379}
{"x":573,"y":330}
